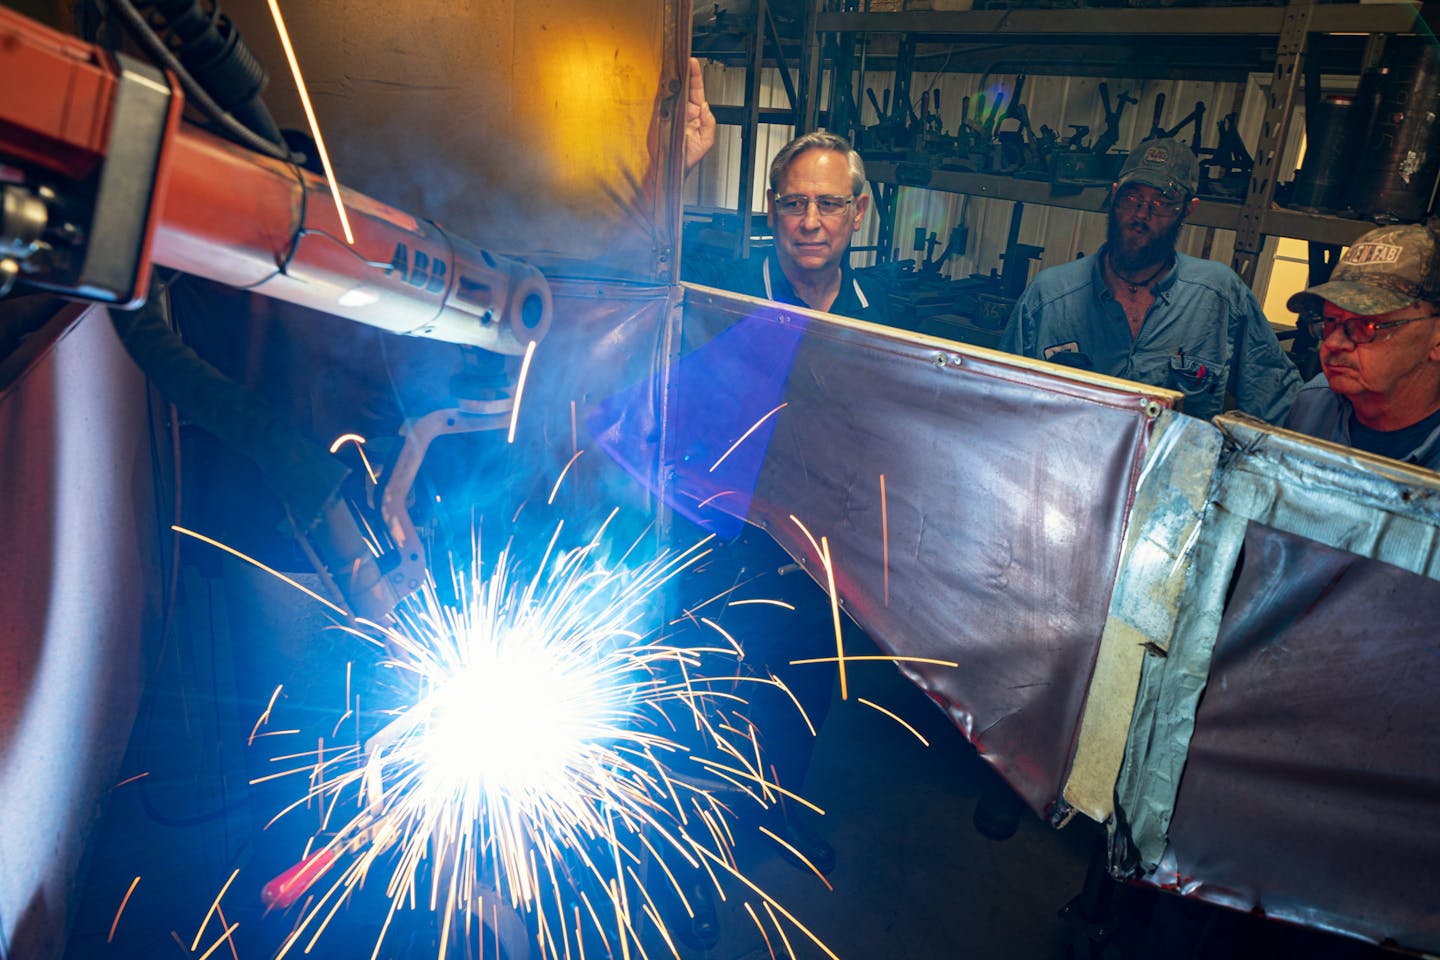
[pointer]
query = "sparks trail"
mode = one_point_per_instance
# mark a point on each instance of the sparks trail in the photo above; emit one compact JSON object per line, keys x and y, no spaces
{"x":885,"y":537}
{"x":310,"y":118}
{"x":753,"y":427}
{"x":543,"y":741}
{"x":121,"y":909}
{"x":897,"y":718}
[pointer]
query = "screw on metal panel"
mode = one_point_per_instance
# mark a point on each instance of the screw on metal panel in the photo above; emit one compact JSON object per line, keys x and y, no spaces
{"x":1152,"y":409}
{"x":940,"y":360}
{"x":956,"y":361}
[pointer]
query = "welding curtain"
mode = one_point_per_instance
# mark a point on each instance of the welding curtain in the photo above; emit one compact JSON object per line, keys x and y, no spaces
{"x":79,"y":524}
{"x":1312,"y":785}
{"x":973,"y":509}
{"x":1311,"y":789}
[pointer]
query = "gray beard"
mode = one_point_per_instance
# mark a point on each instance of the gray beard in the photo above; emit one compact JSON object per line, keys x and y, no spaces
{"x":1160,"y":249}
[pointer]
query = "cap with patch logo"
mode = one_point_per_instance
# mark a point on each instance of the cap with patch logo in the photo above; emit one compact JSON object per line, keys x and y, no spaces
{"x":1166,"y":165}
{"x":1386,"y":269}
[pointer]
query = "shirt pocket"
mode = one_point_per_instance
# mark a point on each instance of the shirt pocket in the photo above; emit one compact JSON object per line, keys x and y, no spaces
{"x":1194,"y":376}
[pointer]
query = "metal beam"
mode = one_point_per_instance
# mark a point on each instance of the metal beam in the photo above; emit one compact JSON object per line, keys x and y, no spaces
{"x":1275,"y":221}
{"x":1187,"y":21}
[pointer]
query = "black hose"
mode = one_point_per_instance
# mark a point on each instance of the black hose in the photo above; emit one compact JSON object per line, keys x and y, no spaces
{"x":197,"y":94}
{"x":297,"y":469}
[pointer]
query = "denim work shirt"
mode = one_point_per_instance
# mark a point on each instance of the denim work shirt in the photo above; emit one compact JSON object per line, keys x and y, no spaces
{"x":1204,"y":336}
{"x":1322,"y":413}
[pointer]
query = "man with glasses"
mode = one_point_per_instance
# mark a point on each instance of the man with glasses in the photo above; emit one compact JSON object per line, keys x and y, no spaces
{"x":1142,"y":311}
{"x":1375,"y":320}
{"x":1379,"y":391}
{"x":815,"y":205}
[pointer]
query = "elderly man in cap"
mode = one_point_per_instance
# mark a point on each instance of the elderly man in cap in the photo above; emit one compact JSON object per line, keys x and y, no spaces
{"x":1375,"y":319}
{"x":1140,"y":310}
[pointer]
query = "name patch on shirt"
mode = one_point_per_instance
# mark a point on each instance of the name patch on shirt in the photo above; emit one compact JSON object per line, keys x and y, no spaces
{"x":1072,"y":346}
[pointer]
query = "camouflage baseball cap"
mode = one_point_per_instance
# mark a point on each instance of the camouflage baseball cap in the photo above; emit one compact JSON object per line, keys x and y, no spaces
{"x":1386,"y":269}
{"x":1166,"y":165}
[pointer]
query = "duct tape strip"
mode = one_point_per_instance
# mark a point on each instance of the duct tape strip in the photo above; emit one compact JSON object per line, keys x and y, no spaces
{"x":1163,"y":529}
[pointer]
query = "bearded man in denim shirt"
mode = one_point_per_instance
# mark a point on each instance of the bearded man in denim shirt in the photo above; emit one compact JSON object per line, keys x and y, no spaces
{"x":1142,"y":311}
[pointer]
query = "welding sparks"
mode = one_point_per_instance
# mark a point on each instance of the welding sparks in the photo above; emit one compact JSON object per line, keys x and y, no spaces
{"x":314,"y":123}
{"x":214,"y":906}
{"x":766,"y":601}
{"x":264,"y":717}
{"x":885,"y":537}
{"x":561,"y":479}
{"x":520,"y":389}
{"x":896,"y":717}
{"x":713,"y":497}
{"x":256,"y":563}
{"x":852,"y":658}
{"x":359,"y":442}
{"x":795,"y":851}
{"x":123,"y":901}
{"x":822,"y":550}
{"x":224,"y":938}
{"x":753,"y":427}
{"x":835,"y":614}
{"x":543,"y":746}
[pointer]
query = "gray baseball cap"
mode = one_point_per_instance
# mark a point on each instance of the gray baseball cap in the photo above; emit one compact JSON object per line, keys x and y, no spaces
{"x":1166,"y":165}
{"x":1386,"y":269}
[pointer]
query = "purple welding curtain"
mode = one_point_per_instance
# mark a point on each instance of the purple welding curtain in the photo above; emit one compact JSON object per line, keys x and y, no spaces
{"x":995,"y":543}
{"x":729,"y":392}
{"x":80,"y":527}
{"x":1312,"y":787}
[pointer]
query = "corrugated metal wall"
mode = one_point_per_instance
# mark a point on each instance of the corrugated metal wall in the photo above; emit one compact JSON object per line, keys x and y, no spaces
{"x":1056,"y":101}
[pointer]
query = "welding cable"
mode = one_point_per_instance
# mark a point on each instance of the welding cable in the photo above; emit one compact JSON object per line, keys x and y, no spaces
{"x":167,"y":508}
{"x":283,"y":264}
{"x":297,"y":469}
{"x":197,"y":94}
{"x":161,"y":290}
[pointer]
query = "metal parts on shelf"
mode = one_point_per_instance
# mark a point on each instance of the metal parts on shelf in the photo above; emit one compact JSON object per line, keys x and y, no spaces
{"x":1010,"y":154}
{"x":995,"y":135}
{"x":1399,"y":122}
{"x":972,"y":309}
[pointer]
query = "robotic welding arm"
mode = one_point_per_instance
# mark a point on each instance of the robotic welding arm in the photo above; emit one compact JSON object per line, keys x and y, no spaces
{"x":101,"y":180}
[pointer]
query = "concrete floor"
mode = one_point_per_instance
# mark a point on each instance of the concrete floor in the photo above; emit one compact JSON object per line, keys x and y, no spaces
{"x":913,"y":877}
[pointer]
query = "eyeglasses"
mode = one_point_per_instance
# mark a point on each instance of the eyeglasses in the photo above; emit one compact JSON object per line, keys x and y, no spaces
{"x":797,"y":205}
{"x":1132,"y":203}
{"x":1358,"y":330}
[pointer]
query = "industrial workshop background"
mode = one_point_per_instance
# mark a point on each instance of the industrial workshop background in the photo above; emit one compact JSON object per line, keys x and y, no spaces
{"x":1046,"y":552}
{"x":997,"y":129}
